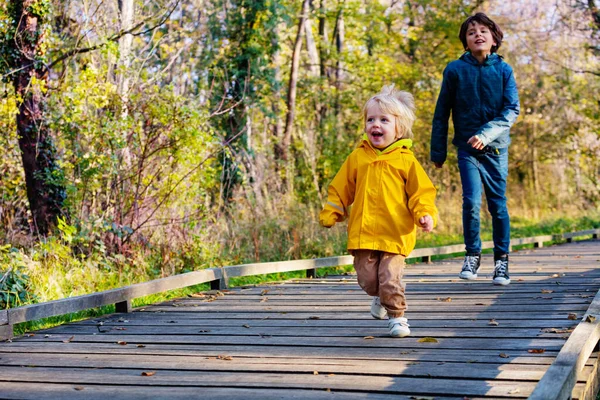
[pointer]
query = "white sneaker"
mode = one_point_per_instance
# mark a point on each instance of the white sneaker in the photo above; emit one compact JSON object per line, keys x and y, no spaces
{"x":398,"y":327}
{"x":377,"y":310}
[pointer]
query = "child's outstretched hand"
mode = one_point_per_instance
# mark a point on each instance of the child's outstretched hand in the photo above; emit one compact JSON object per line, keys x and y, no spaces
{"x":476,"y":142}
{"x":426,"y":223}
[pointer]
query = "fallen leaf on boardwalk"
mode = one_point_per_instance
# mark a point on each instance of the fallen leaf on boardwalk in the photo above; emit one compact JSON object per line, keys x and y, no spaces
{"x":446,"y":300}
{"x":514,"y":391}
{"x":47,"y":336}
{"x":520,"y":280}
{"x":428,"y":339}
{"x":572,"y":316}
{"x":122,"y":342}
{"x":197,"y":295}
{"x":226,"y":358}
{"x":148,"y":373}
{"x":330,"y":374}
{"x":590,"y":318}
{"x":141,"y":345}
{"x":493,"y":322}
{"x":69,"y":339}
{"x":315,"y":372}
{"x":246,"y":326}
{"x":369,"y":337}
{"x":265,"y":299}
{"x":119,"y":328}
{"x":30,"y":335}
{"x":557,"y":330}
{"x":504,"y":355}
{"x":546,"y":291}
{"x":264,"y":292}
{"x":78,"y":388}
{"x":204,"y":331}
{"x":536,"y":351}
{"x":555,"y":276}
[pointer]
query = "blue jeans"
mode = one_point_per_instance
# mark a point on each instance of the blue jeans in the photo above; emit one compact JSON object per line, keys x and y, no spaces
{"x":491,"y":170}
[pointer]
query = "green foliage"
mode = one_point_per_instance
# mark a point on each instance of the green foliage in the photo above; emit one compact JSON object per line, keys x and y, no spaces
{"x":15,"y":285}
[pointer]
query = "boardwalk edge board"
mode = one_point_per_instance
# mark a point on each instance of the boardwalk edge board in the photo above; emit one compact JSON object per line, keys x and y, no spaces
{"x":560,"y":379}
{"x":218,"y":278}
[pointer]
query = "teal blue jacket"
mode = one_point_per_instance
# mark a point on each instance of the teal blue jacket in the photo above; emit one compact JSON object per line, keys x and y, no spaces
{"x":483,"y":100}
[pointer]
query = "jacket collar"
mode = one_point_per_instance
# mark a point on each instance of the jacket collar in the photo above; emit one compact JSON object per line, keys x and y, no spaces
{"x":490,"y":60}
{"x":402,"y":143}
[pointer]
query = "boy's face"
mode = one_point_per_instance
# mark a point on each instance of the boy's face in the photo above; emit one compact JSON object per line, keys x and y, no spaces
{"x":380,"y":127}
{"x":479,"y":39}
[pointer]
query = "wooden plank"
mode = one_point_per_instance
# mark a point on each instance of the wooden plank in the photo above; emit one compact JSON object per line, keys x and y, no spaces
{"x":570,"y":235}
{"x":377,"y":384}
{"x":3,"y":317}
{"x":54,"y":391}
{"x":589,"y":390}
{"x":78,"y":303}
{"x":431,"y":315}
{"x":300,"y":331}
{"x":318,"y":352}
{"x":380,"y":339}
{"x":216,"y":307}
{"x":169,"y":321}
{"x":286,"y":266}
{"x":560,"y":379}
{"x":433,"y":369}
{"x":6,"y":332}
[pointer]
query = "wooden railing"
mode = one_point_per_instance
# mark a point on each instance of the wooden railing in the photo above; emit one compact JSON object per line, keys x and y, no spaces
{"x":219,"y":278}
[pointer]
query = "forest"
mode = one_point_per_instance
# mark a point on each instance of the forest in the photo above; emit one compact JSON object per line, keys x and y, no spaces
{"x":145,"y":138}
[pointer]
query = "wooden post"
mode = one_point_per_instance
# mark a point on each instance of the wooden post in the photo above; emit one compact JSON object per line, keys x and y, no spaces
{"x":123,"y":306}
{"x":6,"y":332}
{"x":222,"y":283}
{"x":595,"y":235}
{"x":426,"y":259}
{"x":311,"y":273}
{"x":569,"y":240}
{"x":538,"y":245}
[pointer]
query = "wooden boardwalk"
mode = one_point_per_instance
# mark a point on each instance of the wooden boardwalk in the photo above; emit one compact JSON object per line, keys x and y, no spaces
{"x":315,"y":339}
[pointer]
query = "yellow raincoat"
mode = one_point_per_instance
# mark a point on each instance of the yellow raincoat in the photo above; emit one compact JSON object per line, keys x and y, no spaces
{"x":388,"y":190}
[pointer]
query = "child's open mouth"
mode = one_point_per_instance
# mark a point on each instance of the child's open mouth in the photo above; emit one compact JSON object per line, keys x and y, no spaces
{"x":377,"y":134}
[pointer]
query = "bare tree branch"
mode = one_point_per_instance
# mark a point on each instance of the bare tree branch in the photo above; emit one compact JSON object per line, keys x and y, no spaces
{"x":116,"y":36}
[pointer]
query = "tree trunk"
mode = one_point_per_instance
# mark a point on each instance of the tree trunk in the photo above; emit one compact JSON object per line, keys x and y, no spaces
{"x":43,"y":177}
{"x":291,"y":99}
{"x":339,"y":70}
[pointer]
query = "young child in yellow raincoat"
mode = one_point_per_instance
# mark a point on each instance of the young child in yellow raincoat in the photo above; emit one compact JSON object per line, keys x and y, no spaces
{"x":390,"y":195}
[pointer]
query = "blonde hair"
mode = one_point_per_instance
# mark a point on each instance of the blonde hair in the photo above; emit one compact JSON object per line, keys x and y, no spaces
{"x":398,"y":103}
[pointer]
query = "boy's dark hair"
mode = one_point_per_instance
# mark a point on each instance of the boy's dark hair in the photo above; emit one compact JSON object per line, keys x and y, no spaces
{"x":482,"y":19}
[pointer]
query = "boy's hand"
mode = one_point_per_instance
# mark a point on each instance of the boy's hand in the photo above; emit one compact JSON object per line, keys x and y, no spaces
{"x":426,"y":223}
{"x":476,"y":142}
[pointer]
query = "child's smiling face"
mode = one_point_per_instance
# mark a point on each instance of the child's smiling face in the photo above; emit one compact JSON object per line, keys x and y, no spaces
{"x":380,"y":127}
{"x":479,"y":39}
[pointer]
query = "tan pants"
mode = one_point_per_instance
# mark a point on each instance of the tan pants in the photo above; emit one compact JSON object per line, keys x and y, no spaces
{"x":380,"y":274}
